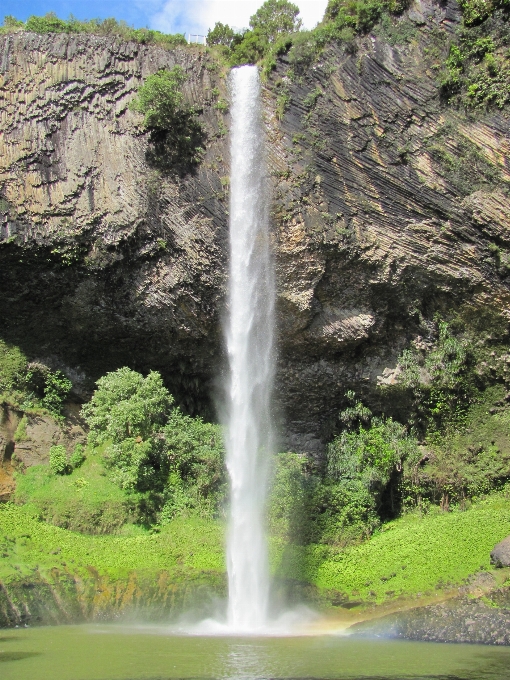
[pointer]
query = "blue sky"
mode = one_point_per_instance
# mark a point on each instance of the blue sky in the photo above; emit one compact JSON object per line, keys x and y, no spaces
{"x":170,"y":16}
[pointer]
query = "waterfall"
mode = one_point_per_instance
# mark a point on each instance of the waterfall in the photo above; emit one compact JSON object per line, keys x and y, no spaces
{"x":249,"y":335}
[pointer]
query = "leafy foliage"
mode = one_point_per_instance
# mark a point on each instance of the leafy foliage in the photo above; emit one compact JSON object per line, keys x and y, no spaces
{"x":476,"y":73}
{"x":152,"y":449}
{"x":127,"y":412}
{"x":13,"y":367}
{"x":176,"y":134}
{"x":77,"y":457}
{"x":126,"y":405}
{"x":415,"y":554}
{"x":276,"y":17}
{"x":363,"y":464}
{"x":459,"y":414}
{"x":27,"y":383}
{"x":476,"y":11}
{"x":58,"y":459}
{"x":56,"y":390}
{"x":197,"y":479}
{"x":50,"y":23}
{"x":250,"y":50}
{"x":221,"y":34}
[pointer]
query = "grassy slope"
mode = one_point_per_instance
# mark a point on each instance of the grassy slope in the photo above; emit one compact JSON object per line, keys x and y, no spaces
{"x":437,"y":549}
{"x":26,"y":544}
{"x":413,"y":554}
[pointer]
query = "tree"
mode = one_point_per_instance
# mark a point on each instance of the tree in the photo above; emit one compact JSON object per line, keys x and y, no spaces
{"x":276,"y":17}
{"x":127,"y":412}
{"x":251,"y":49}
{"x":221,"y":34}
{"x":127,"y":405}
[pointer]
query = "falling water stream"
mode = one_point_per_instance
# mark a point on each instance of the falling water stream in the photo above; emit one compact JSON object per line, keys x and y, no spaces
{"x":249,"y":336}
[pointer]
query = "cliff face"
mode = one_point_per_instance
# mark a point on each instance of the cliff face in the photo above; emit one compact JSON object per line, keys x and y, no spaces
{"x":106,"y":260}
{"x":388,"y":206}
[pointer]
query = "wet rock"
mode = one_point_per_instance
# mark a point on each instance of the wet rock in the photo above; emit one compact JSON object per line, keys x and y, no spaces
{"x":500,"y":556}
{"x":485,"y":620}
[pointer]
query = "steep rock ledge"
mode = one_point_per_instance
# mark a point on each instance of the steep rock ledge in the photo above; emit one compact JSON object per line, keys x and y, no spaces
{"x":386,"y":206}
{"x":107,"y":261}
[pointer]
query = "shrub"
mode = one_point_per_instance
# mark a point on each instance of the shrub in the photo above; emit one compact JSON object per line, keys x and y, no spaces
{"x":197,"y":479}
{"x":50,"y":23}
{"x":13,"y":367}
{"x":176,"y":134}
{"x":58,"y":460}
{"x":56,"y":391}
{"x":251,"y":49}
{"x":77,"y":457}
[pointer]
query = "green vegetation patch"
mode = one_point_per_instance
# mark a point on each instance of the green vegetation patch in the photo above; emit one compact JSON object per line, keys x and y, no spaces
{"x":146,"y":463}
{"x":416,"y":554}
{"x":85,"y":500}
{"x":177,"y":136}
{"x":183,"y":547}
{"x":50,"y":23}
{"x":476,"y":73}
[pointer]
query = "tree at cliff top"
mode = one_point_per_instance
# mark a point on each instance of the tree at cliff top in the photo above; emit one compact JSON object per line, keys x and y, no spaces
{"x":275,"y":18}
{"x":221,"y":34}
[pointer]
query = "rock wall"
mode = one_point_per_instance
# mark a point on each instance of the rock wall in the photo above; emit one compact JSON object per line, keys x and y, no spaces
{"x":388,"y":206}
{"x":107,"y":260}
{"x":59,"y":598}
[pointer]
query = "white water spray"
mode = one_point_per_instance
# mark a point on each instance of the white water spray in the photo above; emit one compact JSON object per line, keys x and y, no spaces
{"x":249,"y":334}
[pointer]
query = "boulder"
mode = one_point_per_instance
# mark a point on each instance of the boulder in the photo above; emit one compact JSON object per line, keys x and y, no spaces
{"x":500,"y":556}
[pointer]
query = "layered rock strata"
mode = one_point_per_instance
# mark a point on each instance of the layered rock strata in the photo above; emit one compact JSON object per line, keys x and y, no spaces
{"x":388,"y":207}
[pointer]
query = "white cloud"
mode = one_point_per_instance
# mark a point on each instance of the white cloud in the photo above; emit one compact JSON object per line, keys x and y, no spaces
{"x":197,"y":16}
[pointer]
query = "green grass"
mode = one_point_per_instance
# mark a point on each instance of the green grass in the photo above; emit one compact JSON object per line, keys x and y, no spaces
{"x":410,"y":555}
{"x":184,"y":548}
{"x":415,"y":554}
{"x":85,"y":501}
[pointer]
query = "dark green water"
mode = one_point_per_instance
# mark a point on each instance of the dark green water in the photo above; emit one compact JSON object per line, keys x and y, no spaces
{"x":129,"y":653}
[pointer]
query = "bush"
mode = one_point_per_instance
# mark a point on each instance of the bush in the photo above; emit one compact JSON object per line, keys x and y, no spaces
{"x":176,"y":134}
{"x":127,"y":412}
{"x":13,"y":367}
{"x":50,"y":23}
{"x":250,"y":50}
{"x":58,"y":460}
{"x":197,"y":480}
{"x":56,"y":391}
{"x":77,"y":457}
